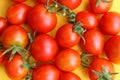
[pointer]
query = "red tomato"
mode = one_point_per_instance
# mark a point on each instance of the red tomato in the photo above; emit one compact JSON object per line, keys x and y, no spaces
{"x":72,"y":4}
{"x":1,"y":57}
{"x":112,"y":49}
{"x":100,"y":7}
{"x":46,"y":72}
{"x":66,"y":37}
{"x":14,"y":68}
{"x":44,"y":48}
{"x":43,"y":1}
{"x":3,"y":24}
{"x":68,"y":60}
{"x":14,"y":35}
{"x":41,"y":20}
{"x":94,"y":42}
{"x":69,"y":76}
{"x":17,"y":13}
{"x":18,"y":0}
{"x":97,"y":65}
{"x":88,"y":19}
{"x":110,"y":23}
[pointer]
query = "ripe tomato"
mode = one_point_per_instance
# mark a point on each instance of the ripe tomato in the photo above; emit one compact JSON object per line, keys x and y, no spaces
{"x":69,"y":76}
{"x":88,"y":19}
{"x":46,"y":72}
{"x":100,"y":7}
{"x":110,"y":23}
{"x":94,"y":42}
{"x":112,"y":49}
{"x":40,"y":20}
{"x":14,"y":35}
{"x":66,"y":37}
{"x":17,"y":13}
{"x":43,"y":1}
{"x":68,"y":60}
{"x":97,"y":65}
{"x":1,"y":57}
{"x":72,"y":4}
{"x":3,"y":24}
{"x":18,"y":0}
{"x":14,"y":68}
{"x":44,"y":48}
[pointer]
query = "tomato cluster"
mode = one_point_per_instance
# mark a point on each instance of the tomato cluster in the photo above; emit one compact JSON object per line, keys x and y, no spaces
{"x":54,"y":57}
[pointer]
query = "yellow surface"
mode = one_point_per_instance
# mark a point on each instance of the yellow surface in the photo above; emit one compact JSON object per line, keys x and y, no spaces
{"x":4,"y":4}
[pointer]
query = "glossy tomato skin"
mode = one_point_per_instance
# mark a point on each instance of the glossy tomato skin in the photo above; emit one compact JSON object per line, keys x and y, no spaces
{"x":46,"y":72}
{"x":72,"y":4}
{"x":110,"y":23}
{"x":44,"y":48}
{"x":40,"y":20}
{"x":14,"y":35}
{"x":18,"y":0}
{"x":68,"y":60}
{"x":94,"y":42}
{"x":14,"y":68}
{"x":88,"y":19}
{"x":43,"y":1}
{"x":66,"y":37}
{"x":17,"y":13}
{"x":112,"y":49}
{"x":1,"y":57}
{"x":69,"y":76}
{"x":101,"y":8}
{"x":97,"y":65}
{"x":3,"y":24}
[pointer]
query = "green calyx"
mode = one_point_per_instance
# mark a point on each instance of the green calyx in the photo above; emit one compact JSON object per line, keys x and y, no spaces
{"x":105,"y":1}
{"x":104,"y":75}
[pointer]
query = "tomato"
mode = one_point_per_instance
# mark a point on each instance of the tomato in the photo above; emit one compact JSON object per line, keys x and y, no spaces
{"x":1,"y":57}
{"x":100,"y":7}
{"x":66,"y":37}
{"x":14,"y":35}
{"x":112,"y":49}
{"x":43,"y":1}
{"x":18,"y":0}
{"x":88,"y":19}
{"x":3,"y":24}
{"x":99,"y":64}
{"x":46,"y":72}
{"x":68,"y":60}
{"x":17,"y":13}
{"x":69,"y":76}
{"x":94,"y":42}
{"x":40,"y":20}
{"x":14,"y":68}
{"x":72,"y":4}
{"x":110,"y":23}
{"x":44,"y":48}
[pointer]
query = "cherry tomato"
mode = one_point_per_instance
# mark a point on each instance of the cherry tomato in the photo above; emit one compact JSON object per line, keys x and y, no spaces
{"x":112,"y":49}
{"x":72,"y":4}
{"x":88,"y":19}
{"x":69,"y":76}
{"x":43,"y":1}
{"x":14,"y":35}
{"x":17,"y":13}
{"x":44,"y":48}
{"x":94,"y":42}
{"x":46,"y":72}
{"x":1,"y":57}
{"x":3,"y":24}
{"x":14,"y":68}
{"x":18,"y":0}
{"x":66,"y":37}
{"x":100,"y":6}
{"x":98,"y":65}
{"x":110,"y":23}
{"x":68,"y":60}
{"x":40,"y":20}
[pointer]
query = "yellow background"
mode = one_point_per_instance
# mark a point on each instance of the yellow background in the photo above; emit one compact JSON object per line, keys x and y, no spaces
{"x":4,"y":4}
